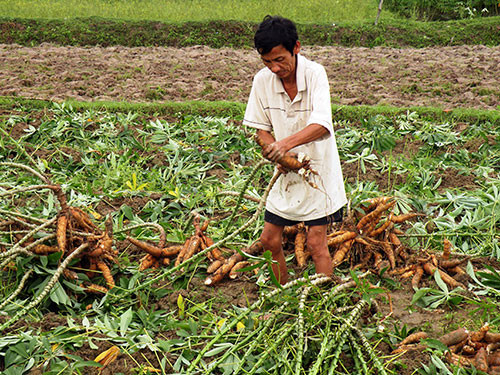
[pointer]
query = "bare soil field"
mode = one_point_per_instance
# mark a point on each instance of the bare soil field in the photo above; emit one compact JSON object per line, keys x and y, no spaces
{"x":445,"y":77}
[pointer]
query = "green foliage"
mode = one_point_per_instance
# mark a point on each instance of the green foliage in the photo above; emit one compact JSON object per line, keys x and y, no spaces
{"x":433,"y":298}
{"x":176,"y":165}
{"x":177,"y":11}
{"x":433,"y":10}
{"x":239,"y":34}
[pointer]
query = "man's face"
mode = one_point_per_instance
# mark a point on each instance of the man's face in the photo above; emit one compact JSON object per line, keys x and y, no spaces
{"x":281,"y":62}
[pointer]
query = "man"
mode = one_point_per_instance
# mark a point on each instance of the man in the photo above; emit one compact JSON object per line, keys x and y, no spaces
{"x":289,"y":105}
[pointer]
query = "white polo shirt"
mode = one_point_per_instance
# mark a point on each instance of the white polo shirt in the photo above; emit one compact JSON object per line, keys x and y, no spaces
{"x":270,"y":108}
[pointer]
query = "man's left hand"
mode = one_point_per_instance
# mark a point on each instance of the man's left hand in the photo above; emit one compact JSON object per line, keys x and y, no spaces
{"x":275,"y":151}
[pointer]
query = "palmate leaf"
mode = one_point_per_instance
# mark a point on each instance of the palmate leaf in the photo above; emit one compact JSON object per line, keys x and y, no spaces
{"x":491,"y":279}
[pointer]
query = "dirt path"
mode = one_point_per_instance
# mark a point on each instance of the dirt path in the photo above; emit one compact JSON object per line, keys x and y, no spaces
{"x":446,"y":77}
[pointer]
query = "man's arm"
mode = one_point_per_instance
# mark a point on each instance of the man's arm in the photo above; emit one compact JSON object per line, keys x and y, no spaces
{"x":277,"y":149}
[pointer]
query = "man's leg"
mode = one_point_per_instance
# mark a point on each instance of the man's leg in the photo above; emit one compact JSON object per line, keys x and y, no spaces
{"x":318,"y":247}
{"x":271,"y":239}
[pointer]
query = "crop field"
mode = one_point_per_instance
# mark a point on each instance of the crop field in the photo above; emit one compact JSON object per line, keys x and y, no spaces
{"x":138,"y":172}
{"x":131,"y":201}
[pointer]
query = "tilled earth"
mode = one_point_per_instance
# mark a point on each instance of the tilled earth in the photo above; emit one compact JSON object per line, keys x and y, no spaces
{"x":445,"y":77}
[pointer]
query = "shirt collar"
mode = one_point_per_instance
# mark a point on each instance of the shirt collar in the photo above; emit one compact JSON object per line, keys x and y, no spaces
{"x":301,"y":79}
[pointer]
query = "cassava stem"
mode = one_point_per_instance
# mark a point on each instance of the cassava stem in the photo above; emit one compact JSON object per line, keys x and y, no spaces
{"x":300,"y":329}
{"x":18,"y":289}
{"x":242,"y":193}
{"x":64,"y":264}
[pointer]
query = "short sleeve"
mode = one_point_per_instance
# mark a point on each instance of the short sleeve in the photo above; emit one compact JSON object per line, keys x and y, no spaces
{"x":255,"y":116}
{"x":320,"y":100}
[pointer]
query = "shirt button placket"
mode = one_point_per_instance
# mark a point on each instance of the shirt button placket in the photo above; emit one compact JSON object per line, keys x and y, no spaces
{"x":289,"y":112}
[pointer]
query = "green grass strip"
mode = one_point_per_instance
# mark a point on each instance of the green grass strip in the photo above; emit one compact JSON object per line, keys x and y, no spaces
{"x":236,"y":110}
{"x":239,"y":34}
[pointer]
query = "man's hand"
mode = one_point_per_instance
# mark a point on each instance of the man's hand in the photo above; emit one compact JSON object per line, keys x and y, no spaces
{"x":275,"y":151}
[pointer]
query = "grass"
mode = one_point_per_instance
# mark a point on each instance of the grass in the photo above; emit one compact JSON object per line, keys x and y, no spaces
{"x":239,"y":34}
{"x":175,"y":11}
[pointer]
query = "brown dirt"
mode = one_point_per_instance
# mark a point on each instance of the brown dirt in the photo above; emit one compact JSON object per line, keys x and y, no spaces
{"x":446,"y":77}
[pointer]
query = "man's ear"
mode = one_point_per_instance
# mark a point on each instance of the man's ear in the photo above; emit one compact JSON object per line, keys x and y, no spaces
{"x":296,"y":48}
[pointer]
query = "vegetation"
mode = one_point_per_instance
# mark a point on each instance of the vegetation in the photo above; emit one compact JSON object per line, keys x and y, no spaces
{"x":113,"y":159}
{"x":235,"y":110}
{"x":444,"y":10}
{"x":239,"y":34}
{"x":97,"y":184}
{"x":177,"y":11}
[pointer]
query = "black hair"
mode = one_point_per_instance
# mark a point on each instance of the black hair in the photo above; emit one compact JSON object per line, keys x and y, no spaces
{"x":273,"y":31}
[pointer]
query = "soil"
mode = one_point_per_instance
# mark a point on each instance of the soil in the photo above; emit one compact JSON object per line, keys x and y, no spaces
{"x":446,"y":77}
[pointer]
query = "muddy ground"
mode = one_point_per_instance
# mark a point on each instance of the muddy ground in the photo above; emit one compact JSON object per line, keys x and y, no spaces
{"x":446,"y":77}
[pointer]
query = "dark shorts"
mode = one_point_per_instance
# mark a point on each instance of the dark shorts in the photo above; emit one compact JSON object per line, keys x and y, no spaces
{"x":336,"y":217}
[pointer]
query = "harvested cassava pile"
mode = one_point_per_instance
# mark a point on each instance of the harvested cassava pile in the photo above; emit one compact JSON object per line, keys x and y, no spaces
{"x":159,"y":255}
{"x":71,"y":229}
{"x":370,"y":241}
{"x":480,"y":349}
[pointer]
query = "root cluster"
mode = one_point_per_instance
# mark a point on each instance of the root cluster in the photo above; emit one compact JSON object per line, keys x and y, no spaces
{"x":160,"y":255}
{"x":69,"y":230}
{"x":480,"y":349}
{"x":371,"y":241}
{"x":220,"y":266}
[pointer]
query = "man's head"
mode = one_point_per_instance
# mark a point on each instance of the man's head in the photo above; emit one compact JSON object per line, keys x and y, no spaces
{"x":274,"y":31}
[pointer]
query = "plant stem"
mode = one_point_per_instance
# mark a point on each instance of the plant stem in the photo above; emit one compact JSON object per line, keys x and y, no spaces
{"x":258,"y":339}
{"x":29,"y":169}
{"x":242,"y":193}
{"x":368,"y":348}
{"x":33,"y":231}
{"x":263,"y":356}
{"x":18,"y":289}
{"x":359,"y":352}
{"x":47,"y":288}
{"x":24,"y":189}
{"x":339,"y":339}
{"x":15,"y":216}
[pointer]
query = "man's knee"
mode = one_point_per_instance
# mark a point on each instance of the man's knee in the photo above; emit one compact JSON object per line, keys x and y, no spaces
{"x":316,"y":239}
{"x":271,"y":241}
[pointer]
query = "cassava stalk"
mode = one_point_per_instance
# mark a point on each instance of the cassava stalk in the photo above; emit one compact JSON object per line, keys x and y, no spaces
{"x":236,"y":194}
{"x":276,"y":341}
{"x":358,"y":353}
{"x":16,"y":215}
{"x":24,"y":189}
{"x":339,"y":338}
{"x":258,"y":339}
{"x":242,"y":193}
{"x":18,"y":289}
{"x":368,"y":349}
{"x":32,"y":232}
{"x":64,"y":264}
{"x":29,"y":169}
{"x":300,"y":329}
{"x":318,"y":278}
{"x":8,"y":259}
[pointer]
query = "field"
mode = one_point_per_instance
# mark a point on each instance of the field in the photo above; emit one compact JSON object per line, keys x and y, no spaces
{"x":313,"y":11}
{"x":120,"y":152}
